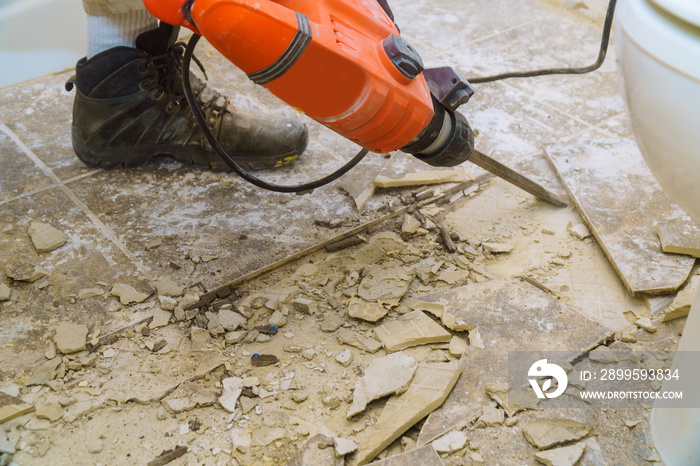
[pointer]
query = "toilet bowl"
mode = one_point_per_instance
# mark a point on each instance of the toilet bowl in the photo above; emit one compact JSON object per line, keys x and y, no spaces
{"x":658,"y":53}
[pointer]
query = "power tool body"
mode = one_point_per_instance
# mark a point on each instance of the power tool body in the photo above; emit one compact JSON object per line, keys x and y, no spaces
{"x":344,"y":64}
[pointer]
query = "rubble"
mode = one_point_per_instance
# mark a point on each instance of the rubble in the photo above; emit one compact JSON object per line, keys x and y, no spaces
{"x":546,"y":433}
{"x":578,"y":230}
{"x":349,"y":337}
{"x":391,"y":374}
{"x":563,"y":456}
{"x":384,"y":284}
{"x":450,"y":443}
{"x":414,"y":328}
{"x":161,"y":318}
{"x":305,"y":306}
{"x":5,"y":292}
{"x":232,"y":389}
{"x":524,"y":397}
{"x":45,"y":237}
{"x":187,"y":396}
{"x":52,"y":411}
{"x":343,"y":446}
{"x":430,"y":386}
{"x":70,"y":338}
{"x":167,"y":303}
{"x":44,"y":372}
{"x":331,"y":323}
{"x":680,"y":306}
{"x":370,"y":311}
{"x":24,"y":271}
{"x":127,"y":294}
{"x":90,"y":292}
{"x":491,"y":416}
{"x":344,"y":358}
{"x":645,"y":323}
{"x":95,"y":447}
{"x":167,"y":287}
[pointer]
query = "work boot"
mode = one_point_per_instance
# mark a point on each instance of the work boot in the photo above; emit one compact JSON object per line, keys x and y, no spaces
{"x":129,"y":107}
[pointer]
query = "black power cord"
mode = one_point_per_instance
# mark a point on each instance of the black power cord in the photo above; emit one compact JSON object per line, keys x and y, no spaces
{"x":607,"y":27}
{"x":230,"y":161}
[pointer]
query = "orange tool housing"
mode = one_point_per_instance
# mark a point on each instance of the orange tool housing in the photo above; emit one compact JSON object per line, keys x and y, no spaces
{"x":328,"y":62}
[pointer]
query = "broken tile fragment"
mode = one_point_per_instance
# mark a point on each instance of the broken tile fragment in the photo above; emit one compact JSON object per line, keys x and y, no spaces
{"x":161,"y":318}
{"x":44,"y":372}
{"x":410,"y":224}
{"x":564,"y":456}
{"x":305,"y":306}
{"x":458,"y":346}
{"x":358,"y":308}
{"x":423,"y":456}
{"x":344,"y":358}
{"x":420,"y":178}
{"x":331,"y":323}
{"x":5,"y":292}
{"x":384,"y":284}
{"x":498,"y":248}
{"x":167,"y":303}
{"x":524,"y":397}
{"x":127,"y":294}
{"x":154,"y":243}
{"x":53,"y":412}
{"x":414,"y":328}
{"x":265,"y":435}
{"x":231,"y":320}
{"x":277,"y":319}
{"x":430,"y":386}
{"x":491,"y":416}
{"x":70,"y":338}
{"x":645,"y":323}
{"x":343,"y":446}
{"x":12,"y":407}
{"x":235,"y":337}
{"x":25,"y":271}
{"x":187,"y":396}
{"x":391,"y":374}
{"x":86,"y":293}
{"x":679,"y":237}
{"x":546,"y":433}
{"x":680,"y":306}
{"x":435,"y":308}
{"x":232,"y":389}
{"x":45,"y":237}
{"x":450,"y":443}
{"x":349,"y":337}
{"x":167,"y":287}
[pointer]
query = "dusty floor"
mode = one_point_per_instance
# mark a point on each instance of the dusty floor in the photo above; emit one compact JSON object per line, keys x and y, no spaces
{"x":124,"y":401}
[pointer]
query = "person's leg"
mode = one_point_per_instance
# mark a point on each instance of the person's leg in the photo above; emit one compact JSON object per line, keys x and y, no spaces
{"x":129,"y":104}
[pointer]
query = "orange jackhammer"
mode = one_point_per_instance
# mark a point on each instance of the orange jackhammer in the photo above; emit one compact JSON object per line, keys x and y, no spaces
{"x":344,"y":64}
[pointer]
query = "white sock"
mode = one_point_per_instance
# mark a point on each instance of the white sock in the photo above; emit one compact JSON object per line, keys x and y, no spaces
{"x":105,"y":32}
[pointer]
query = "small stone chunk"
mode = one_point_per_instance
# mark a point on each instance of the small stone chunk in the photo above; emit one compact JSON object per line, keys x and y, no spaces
{"x":127,"y":294}
{"x":95,"y":447}
{"x":410,"y":224}
{"x":187,"y":396}
{"x":154,"y":244}
{"x":344,"y":358}
{"x":645,"y":323}
{"x":5,"y":292}
{"x":234,"y":337}
{"x":167,"y":303}
{"x":45,"y":237}
{"x":277,"y":319}
{"x":70,"y":338}
{"x":233,"y":387}
{"x":305,"y":306}
{"x":680,"y":307}
{"x":579,"y":230}
{"x":231,"y":320}
{"x":564,"y":456}
{"x":346,"y":336}
{"x":450,"y":443}
{"x":491,"y":416}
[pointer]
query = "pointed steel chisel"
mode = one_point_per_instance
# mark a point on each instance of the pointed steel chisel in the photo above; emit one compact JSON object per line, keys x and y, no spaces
{"x":514,"y":178}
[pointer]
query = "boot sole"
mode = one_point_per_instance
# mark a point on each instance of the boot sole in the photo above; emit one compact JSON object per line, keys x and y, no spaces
{"x":139,"y":156}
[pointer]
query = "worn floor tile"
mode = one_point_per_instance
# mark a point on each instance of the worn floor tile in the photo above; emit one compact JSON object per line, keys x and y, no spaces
{"x":86,"y":258}
{"x":589,"y":168}
{"x":14,"y":162}
{"x":40,"y":113}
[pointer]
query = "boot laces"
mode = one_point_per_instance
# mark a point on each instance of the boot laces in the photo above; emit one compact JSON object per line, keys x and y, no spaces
{"x":169,"y":68}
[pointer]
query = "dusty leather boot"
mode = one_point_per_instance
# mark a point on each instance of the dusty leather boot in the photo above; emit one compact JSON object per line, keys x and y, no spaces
{"x":129,"y":107}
